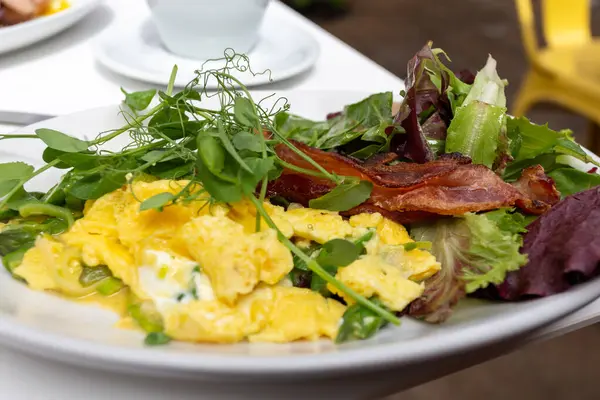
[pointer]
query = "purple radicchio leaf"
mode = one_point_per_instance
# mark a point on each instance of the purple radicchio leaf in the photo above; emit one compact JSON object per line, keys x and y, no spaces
{"x":427,"y":82}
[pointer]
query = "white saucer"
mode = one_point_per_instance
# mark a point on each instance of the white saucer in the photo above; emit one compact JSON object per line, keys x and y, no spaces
{"x":136,"y":51}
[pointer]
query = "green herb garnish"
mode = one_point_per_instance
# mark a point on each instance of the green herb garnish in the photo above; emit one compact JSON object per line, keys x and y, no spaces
{"x":92,"y":275}
{"x":417,"y":245}
{"x":222,"y":151}
{"x":109,"y":286}
{"x":334,"y":254}
{"x":360,"y":323}
{"x":156,"y":339}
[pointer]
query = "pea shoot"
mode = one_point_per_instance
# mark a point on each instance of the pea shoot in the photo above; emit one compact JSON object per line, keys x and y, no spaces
{"x":223,"y":153}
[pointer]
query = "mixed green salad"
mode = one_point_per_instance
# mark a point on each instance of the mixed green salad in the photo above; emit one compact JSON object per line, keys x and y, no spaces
{"x":487,"y":193}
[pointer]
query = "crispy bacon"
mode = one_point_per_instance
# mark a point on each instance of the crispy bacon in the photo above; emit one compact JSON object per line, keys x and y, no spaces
{"x":408,"y":192}
{"x":538,"y":188}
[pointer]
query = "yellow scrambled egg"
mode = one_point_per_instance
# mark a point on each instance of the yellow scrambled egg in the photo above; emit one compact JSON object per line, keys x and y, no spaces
{"x":55,"y":6}
{"x":211,"y":277}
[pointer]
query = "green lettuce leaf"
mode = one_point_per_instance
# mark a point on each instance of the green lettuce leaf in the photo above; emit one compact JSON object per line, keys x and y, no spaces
{"x":488,"y":87}
{"x":570,"y":181}
{"x":475,"y":250}
{"x":475,"y":132}
{"x":300,"y":129}
{"x":478,"y":129}
{"x":492,"y":252}
{"x":532,"y":144}
{"x":362,"y":124}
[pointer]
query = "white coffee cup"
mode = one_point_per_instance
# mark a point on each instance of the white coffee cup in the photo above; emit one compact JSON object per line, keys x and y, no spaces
{"x":203,"y":29}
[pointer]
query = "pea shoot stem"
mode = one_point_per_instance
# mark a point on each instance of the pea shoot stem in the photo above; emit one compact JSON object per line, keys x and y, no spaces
{"x":317,"y":269}
{"x":17,"y":136}
{"x":300,"y":169}
{"x":172,"y":80}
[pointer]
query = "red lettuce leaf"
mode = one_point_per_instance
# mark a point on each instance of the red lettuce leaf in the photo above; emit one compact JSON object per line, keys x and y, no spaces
{"x":425,"y":112}
{"x":466,"y":76}
{"x":563,"y":247}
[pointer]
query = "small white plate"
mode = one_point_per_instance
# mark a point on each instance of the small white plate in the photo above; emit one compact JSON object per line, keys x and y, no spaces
{"x":136,"y":51}
{"x":26,"y":33}
{"x":51,"y":327}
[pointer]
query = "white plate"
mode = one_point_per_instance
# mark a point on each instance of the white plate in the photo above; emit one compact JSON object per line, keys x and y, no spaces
{"x":50,"y":327}
{"x":21,"y":35}
{"x":136,"y":51}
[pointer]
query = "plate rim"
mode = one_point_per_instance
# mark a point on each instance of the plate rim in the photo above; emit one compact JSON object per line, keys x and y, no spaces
{"x":71,"y":15}
{"x":115,"y":66}
{"x":378,"y":356}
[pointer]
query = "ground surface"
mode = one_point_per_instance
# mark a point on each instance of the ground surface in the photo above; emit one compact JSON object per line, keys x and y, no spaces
{"x":390,"y":32}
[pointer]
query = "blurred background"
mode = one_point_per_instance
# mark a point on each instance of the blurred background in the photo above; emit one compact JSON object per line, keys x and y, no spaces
{"x":390,"y":32}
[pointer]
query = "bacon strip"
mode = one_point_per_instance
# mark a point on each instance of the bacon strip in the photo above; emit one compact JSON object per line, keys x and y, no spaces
{"x":538,"y":188}
{"x":408,"y":192}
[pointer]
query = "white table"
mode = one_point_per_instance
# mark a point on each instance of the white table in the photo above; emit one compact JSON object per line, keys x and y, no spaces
{"x":64,"y":78}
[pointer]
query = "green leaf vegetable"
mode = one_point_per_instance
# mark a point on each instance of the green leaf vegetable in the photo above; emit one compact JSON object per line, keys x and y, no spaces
{"x":62,"y":142}
{"x":533,"y":144}
{"x":144,"y":313}
{"x":101,"y":278}
{"x":110,"y":286}
{"x":14,"y":171}
{"x":334,"y":254}
{"x":478,"y":127}
{"x":475,"y":250}
{"x":21,"y":234}
{"x":571,"y":181}
{"x":344,"y":197}
{"x":92,"y":275}
{"x":158,"y":201}
{"x":360,"y":129}
{"x":139,"y":101}
{"x":220,"y":150}
{"x":359,"y":323}
{"x":488,"y":87}
{"x":156,"y":339}
{"x":492,"y":253}
{"x":475,"y":132}
{"x":14,"y":238}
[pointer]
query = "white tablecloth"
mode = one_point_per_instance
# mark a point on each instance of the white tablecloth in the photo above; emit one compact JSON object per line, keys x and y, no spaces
{"x":61,"y":76}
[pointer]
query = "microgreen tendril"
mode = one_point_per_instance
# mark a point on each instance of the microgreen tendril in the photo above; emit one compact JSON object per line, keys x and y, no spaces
{"x":222,"y":152}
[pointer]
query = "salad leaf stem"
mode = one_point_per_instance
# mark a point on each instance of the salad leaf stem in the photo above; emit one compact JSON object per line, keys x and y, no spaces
{"x":333,"y":177}
{"x":17,"y":136}
{"x":304,"y":171}
{"x":172,"y":80}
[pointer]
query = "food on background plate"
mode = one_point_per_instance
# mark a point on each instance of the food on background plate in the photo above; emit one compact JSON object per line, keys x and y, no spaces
{"x":248,"y":222}
{"x":16,"y":11}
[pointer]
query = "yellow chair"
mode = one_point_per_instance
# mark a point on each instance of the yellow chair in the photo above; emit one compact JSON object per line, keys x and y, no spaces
{"x":567,"y":70}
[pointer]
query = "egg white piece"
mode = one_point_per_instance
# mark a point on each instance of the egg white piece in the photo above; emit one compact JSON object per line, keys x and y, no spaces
{"x":172,"y":280}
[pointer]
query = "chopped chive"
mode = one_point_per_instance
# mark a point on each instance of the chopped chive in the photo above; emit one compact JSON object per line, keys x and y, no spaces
{"x":92,"y":275}
{"x":162,"y":272}
{"x":109,"y":286}
{"x":417,"y":245}
{"x":156,"y":339}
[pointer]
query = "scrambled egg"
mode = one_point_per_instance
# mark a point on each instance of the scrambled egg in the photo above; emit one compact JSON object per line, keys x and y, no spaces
{"x":211,"y":277}
{"x":55,"y":6}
